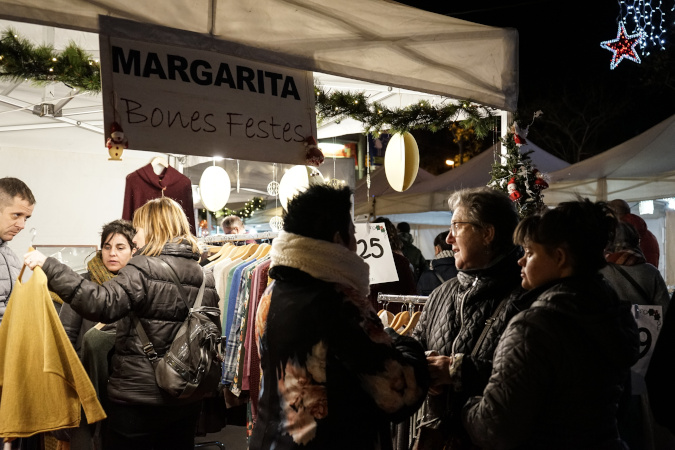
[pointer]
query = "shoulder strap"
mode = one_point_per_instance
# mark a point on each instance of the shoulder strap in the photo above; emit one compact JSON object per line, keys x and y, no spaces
{"x":148,"y":348}
{"x":438,"y":275}
{"x":632,"y":281}
{"x":488,"y":325}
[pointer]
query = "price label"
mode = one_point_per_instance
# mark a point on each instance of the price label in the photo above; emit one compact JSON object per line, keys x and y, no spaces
{"x":649,"y":320}
{"x":372,"y":244}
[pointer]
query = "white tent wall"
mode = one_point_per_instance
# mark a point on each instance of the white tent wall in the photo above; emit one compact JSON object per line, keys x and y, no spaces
{"x":76,"y":192}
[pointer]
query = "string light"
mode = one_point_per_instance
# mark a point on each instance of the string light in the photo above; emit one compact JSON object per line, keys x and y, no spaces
{"x":646,"y":19}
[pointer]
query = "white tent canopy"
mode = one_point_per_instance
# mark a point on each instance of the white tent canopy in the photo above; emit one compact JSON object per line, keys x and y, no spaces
{"x":371,"y":40}
{"x":641,"y":168}
{"x":432,"y":195}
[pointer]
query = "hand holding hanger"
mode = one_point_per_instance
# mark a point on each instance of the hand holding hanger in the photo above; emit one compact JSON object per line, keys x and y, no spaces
{"x":33,"y":258}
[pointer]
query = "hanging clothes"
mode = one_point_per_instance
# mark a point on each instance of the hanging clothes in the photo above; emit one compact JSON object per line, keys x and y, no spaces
{"x":42,"y":382}
{"x":144,"y":184}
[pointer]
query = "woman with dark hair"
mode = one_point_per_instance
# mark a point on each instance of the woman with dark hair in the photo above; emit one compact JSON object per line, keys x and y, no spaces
{"x":442,"y":266}
{"x":560,"y":365}
{"x":333,"y":377}
{"x":140,"y":414}
{"x":117,"y":248}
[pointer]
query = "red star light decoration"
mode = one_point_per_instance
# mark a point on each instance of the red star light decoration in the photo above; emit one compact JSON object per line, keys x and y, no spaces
{"x":623,"y":46}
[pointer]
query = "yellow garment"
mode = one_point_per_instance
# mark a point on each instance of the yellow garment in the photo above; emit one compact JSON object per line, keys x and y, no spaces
{"x":42,"y":382}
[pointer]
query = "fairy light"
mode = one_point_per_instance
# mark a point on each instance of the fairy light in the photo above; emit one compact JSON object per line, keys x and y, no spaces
{"x":647,"y":19}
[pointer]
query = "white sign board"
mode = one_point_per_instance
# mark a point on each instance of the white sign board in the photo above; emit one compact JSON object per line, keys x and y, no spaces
{"x":372,"y":244}
{"x":649,"y":320}
{"x":174,"y":99}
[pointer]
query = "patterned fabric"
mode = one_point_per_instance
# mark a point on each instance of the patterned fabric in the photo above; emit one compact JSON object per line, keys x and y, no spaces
{"x":333,"y":378}
{"x":629,"y":257}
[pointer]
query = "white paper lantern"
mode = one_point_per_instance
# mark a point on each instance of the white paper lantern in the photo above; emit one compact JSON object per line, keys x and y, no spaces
{"x":276,"y":223}
{"x":214,"y":188}
{"x":401,"y":161}
{"x":297,"y":180}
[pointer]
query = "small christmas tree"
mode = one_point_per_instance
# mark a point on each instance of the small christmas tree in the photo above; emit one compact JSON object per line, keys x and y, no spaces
{"x":517,"y":176}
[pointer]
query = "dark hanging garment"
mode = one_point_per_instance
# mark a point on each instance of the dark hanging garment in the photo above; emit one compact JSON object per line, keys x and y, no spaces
{"x":144,"y":184}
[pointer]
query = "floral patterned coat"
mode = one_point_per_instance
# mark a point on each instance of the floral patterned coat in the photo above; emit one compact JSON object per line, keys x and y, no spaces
{"x":333,"y":378}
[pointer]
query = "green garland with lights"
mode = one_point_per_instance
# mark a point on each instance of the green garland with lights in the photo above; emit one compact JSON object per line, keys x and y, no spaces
{"x":21,"y":60}
{"x":251,"y":206}
{"x":419,"y":116}
{"x":41,"y":65}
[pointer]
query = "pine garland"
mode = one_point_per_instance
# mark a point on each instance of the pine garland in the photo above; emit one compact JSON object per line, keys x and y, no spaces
{"x":42,"y":65}
{"x":419,"y":116}
{"x":518,"y":176}
{"x":251,"y":206}
{"x":21,"y":60}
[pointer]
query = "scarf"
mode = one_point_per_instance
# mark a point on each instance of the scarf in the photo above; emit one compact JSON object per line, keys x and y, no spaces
{"x":98,"y":272}
{"x":445,"y":254}
{"x":321,"y":259}
{"x":626,"y":257}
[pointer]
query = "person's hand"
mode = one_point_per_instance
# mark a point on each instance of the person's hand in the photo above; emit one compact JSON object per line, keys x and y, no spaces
{"x":439,"y":369}
{"x":34,"y":259}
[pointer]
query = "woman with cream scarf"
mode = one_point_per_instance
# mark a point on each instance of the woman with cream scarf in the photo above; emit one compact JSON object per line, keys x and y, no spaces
{"x":333,"y":377}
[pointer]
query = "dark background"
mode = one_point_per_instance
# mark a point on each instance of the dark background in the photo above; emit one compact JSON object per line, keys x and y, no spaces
{"x":564,"y":72}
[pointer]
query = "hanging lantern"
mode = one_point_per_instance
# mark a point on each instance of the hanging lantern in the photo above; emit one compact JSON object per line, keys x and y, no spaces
{"x":276,"y":223}
{"x":297,"y":180}
{"x":214,"y":188}
{"x":273,"y":188}
{"x":401,"y":161}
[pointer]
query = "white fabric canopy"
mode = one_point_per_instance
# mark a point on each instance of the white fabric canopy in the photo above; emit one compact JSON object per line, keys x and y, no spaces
{"x":432,"y":195}
{"x":371,"y":40}
{"x":641,"y":168}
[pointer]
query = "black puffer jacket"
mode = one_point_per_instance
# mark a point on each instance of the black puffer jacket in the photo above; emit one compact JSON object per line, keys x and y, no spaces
{"x":558,"y":371}
{"x":145,"y":288}
{"x":452,"y":322}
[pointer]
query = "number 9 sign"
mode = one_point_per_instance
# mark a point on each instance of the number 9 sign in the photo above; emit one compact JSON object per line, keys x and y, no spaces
{"x":372,"y":244}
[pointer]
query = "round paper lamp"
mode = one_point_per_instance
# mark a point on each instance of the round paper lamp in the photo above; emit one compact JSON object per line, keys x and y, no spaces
{"x":401,"y":161}
{"x":297,"y":180}
{"x":214,"y":188}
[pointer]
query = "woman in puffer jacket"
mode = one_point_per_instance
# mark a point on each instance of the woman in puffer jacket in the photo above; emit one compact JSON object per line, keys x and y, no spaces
{"x":560,"y":365}
{"x":464,"y":317}
{"x":141,"y":415}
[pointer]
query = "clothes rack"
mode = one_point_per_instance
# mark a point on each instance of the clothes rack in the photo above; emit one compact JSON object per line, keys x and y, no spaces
{"x":238,"y":237}
{"x":395,"y":298}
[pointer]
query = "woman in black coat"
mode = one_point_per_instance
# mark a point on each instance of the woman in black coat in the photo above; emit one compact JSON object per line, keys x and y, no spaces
{"x":442,"y":267}
{"x":560,"y":365}
{"x":140,"y":414}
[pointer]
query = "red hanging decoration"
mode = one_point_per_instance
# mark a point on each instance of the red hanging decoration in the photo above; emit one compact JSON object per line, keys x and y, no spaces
{"x":313,"y":155}
{"x":511,"y":187}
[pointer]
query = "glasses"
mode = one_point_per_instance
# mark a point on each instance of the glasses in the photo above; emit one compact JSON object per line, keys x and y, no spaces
{"x":454,"y":226}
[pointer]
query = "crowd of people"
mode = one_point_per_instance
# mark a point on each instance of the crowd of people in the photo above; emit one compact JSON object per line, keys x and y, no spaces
{"x":526,"y":340}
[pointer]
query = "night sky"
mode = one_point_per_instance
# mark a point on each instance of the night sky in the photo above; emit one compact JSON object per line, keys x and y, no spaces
{"x":560,"y":56}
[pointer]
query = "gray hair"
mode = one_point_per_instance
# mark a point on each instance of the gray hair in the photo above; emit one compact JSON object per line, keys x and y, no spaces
{"x":486,"y":206}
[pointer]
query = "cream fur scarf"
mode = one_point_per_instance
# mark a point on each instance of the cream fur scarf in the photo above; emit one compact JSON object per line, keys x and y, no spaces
{"x":323,"y":260}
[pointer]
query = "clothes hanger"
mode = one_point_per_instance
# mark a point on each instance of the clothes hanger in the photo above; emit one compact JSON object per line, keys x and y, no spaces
{"x":159,"y":164}
{"x":257,"y":253}
{"x":407,"y":331}
{"x":265,"y":250}
{"x":401,"y":320}
{"x":224,"y":249}
{"x":248,"y":255}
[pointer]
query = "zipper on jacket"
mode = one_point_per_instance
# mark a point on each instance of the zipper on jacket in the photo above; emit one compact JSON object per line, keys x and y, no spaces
{"x":461,"y":313}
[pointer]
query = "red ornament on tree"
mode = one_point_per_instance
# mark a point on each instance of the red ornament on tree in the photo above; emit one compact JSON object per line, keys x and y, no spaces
{"x":514,"y":195}
{"x":313,"y":155}
{"x":539,"y":182}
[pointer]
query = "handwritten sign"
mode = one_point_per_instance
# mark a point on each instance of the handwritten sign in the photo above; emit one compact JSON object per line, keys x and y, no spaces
{"x":649,"y":320}
{"x":372,"y":244}
{"x":174,"y":99}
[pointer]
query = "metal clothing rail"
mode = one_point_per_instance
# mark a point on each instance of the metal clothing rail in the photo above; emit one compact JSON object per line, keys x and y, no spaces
{"x":393,"y":298}
{"x":238,"y":237}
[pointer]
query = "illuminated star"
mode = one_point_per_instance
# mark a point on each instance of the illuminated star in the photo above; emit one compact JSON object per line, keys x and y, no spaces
{"x":623,"y":46}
